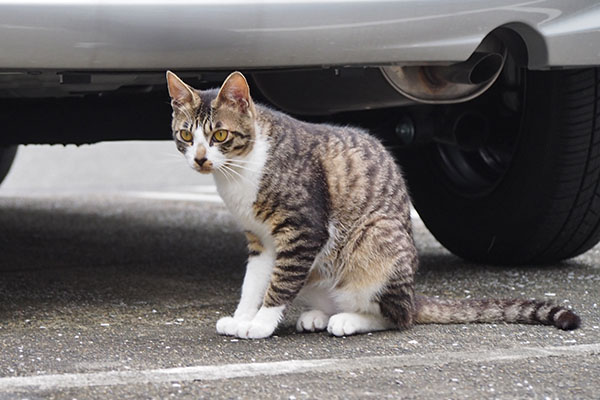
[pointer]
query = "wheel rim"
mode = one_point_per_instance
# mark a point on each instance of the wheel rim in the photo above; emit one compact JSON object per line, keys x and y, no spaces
{"x":475,"y":162}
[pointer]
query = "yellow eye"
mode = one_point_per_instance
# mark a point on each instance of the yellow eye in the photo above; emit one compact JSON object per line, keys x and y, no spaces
{"x":186,"y":135}
{"x":220,"y":135}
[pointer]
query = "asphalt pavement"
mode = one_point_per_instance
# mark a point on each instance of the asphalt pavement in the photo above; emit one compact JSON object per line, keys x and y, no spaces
{"x":116,"y":260}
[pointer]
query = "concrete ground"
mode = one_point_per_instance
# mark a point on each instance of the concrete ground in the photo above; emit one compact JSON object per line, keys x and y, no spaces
{"x":116,"y":261}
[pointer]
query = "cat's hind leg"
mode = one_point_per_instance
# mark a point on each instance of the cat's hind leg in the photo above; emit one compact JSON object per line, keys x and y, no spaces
{"x":375,"y":289}
{"x":320,"y":305}
{"x":359,"y":312}
{"x":347,"y":323}
{"x":312,"y":321}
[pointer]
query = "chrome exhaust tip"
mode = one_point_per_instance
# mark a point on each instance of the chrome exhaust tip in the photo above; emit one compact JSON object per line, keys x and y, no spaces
{"x":455,"y":83}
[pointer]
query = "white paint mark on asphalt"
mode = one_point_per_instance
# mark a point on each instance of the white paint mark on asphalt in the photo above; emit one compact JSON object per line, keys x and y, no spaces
{"x":246,"y":370}
{"x":207,"y":193}
{"x":184,"y":196}
{"x":201,"y":189}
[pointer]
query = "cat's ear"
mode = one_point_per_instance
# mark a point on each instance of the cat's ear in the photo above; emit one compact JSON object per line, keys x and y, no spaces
{"x":180,"y":92}
{"x":235,"y":91}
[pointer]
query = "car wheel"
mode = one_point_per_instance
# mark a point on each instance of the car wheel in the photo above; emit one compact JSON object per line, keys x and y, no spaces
{"x":528,"y":191}
{"x":7,"y":155}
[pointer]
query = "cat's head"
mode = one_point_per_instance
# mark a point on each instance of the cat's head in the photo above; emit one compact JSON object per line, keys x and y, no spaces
{"x":213,"y":129}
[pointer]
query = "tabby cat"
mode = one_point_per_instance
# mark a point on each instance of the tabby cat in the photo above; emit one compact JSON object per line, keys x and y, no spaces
{"x":327,"y":217}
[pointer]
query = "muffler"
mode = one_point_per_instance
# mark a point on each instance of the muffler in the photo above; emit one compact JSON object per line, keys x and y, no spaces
{"x":455,"y":83}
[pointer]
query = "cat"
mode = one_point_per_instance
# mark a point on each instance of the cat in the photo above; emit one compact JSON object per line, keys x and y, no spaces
{"x":327,"y":217}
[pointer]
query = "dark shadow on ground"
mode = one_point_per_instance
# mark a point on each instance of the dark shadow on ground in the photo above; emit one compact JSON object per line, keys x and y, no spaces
{"x":114,"y":249}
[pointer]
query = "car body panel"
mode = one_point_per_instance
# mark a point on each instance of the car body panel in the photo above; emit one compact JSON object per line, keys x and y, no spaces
{"x":155,"y":35}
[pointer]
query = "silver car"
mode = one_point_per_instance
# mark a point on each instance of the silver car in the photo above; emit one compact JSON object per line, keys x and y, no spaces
{"x":491,"y":106}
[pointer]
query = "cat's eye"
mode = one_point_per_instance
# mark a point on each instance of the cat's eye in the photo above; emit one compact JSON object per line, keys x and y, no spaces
{"x":186,"y":135}
{"x":220,"y":135}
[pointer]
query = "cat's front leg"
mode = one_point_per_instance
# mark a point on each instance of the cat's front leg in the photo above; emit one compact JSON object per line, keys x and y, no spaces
{"x":262,"y":325}
{"x":294,"y":259}
{"x":258,"y":273}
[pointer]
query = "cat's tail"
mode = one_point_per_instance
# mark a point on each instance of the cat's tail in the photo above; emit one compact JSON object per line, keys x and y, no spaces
{"x":431,"y":310}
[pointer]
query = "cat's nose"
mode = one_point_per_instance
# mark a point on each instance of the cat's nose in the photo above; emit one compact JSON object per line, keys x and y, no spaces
{"x":200,"y":161}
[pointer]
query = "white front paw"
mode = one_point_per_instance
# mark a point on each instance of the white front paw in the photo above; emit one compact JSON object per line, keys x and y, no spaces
{"x":343,"y":324}
{"x":255,"y":330}
{"x":312,"y":321}
{"x":227,"y":326}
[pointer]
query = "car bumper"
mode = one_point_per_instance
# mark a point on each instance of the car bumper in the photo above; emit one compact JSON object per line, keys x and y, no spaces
{"x":155,"y":35}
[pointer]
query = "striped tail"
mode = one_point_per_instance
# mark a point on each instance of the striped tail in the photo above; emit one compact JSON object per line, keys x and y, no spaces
{"x":430,"y":310}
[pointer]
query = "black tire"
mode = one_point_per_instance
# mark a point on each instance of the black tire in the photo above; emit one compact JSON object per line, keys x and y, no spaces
{"x":7,"y":155}
{"x":545,"y":206}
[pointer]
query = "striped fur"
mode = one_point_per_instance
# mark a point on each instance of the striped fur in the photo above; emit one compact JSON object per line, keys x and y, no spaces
{"x":327,"y":218}
{"x":445,"y":311}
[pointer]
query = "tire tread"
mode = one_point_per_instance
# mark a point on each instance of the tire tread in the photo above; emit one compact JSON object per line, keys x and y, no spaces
{"x":580,"y":171}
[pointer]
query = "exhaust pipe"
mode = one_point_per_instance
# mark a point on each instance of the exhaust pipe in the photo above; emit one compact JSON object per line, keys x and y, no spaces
{"x":479,"y":68}
{"x":452,"y":83}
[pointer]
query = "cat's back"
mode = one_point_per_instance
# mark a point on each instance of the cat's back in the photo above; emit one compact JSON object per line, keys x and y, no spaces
{"x":321,"y":140}
{"x":361,"y":176}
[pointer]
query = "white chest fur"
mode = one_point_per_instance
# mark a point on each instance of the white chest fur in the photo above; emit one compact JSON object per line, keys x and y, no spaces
{"x":239,"y":190}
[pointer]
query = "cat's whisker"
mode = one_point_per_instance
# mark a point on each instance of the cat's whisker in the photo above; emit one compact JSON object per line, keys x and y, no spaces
{"x":239,"y":171}
{"x":232,"y":171}
{"x":242,"y":159}
{"x":237,"y":160}
{"x":228,"y":175}
{"x":241,"y":166}
{"x":229,"y":172}
{"x":225,"y":174}
{"x":241,"y":176}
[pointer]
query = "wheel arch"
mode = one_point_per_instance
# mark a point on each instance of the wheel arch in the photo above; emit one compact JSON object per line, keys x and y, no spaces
{"x":526,"y":44}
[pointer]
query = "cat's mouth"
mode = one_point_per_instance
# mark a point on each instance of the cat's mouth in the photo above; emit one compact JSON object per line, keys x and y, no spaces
{"x":203,"y":165}
{"x":204,"y":170}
